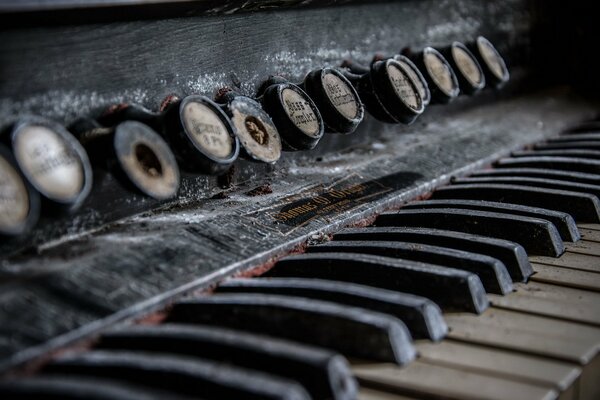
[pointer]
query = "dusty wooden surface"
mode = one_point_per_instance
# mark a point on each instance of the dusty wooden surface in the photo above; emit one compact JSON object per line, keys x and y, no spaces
{"x":74,"y":287}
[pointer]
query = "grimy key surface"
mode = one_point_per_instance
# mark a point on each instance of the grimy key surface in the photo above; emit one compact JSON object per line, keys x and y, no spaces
{"x":527,"y":333}
{"x":583,"y":207}
{"x":449,"y":288}
{"x":552,"y":301}
{"x":564,"y":223}
{"x":78,"y":388}
{"x":324,"y":374}
{"x":374,"y":335}
{"x":533,"y":182}
{"x":500,"y":363}
{"x":570,"y":260}
{"x":422,"y":316}
{"x":492,"y":272}
{"x":512,"y":254}
{"x":425,"y":380}
{"x":189,"y":376}
{"x":535,"y":235}
{"x":566,"y":277}
{"x":568,"y":176}
{"x":561,"y":163}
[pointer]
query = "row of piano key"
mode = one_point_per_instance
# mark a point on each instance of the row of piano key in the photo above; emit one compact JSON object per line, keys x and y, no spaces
{"x":452,"y":269}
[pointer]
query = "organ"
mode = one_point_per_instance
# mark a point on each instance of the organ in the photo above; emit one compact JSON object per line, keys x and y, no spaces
{"x":244,"y":229}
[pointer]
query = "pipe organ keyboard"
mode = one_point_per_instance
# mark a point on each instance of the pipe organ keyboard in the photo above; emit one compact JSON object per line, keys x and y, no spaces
{"x":341,"y":232}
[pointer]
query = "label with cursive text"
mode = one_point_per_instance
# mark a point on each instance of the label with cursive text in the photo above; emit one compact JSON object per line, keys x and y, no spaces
{"x":340,"y":96}
{"x":300,"y":112}
{"x":401,"y":82}
{"x":50,"y":163}
{"x":323,"y":203}
{"x":207,"y":130}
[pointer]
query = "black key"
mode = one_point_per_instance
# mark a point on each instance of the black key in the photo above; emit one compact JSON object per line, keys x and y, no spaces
{"x":575,"y":153}
{"x":512,"y":254}
{"x":324,"y":374}
{"x":571,"y":145}
{"x":374,"y":336}
{"x":422,"y":316}
{"x":569,"y":176}
{"x":584,"y":165}
{"x":184,"y":375}
{"x":450,"y":288}
{"x":78,"y":388}
{"x":563,"y":222}
{"x":583,"y":207}
{"x":533,"y":182}
{"x":537,"y":236}
{"x":576,"y":137}
{"x":492,"y":272}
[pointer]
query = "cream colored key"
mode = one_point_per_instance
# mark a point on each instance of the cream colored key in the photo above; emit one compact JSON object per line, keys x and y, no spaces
{"x":427,"y":380}
{"x":528,"y":333}
{"x":584,"y":247}
{"x":531,"y":323}
{"x":590,"y":235}
{"x":566,"y":277}
{"x":561,"y":308}
{"x":550,"y":291}
{"x":570,"y":260}
{"x":500,"y":363}
{"x":593,"y":227}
